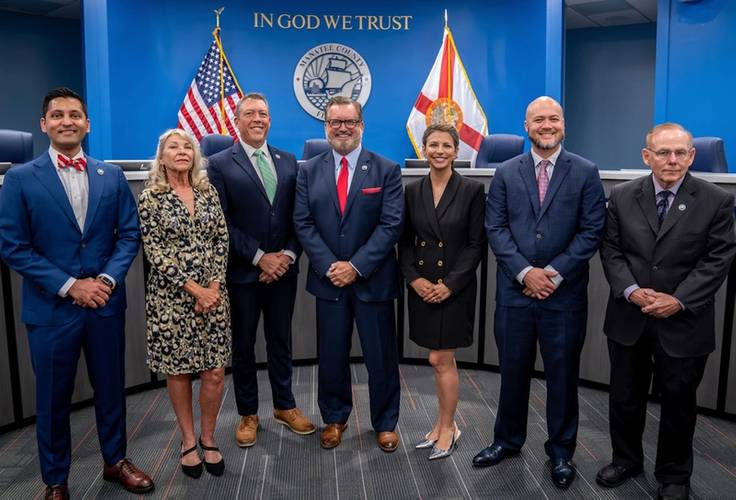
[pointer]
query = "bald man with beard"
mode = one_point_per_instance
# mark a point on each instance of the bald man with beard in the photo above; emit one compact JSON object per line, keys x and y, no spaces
{"x":545,"y":213}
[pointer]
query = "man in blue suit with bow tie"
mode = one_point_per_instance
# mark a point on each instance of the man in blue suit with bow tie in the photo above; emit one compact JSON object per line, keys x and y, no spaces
{"x":69,"y":227}
{"x":348,"y":217}
{"x":545,"y":214}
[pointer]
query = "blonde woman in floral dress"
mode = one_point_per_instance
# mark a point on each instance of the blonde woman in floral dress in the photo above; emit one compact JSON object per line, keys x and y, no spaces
{"x":188,"y":314}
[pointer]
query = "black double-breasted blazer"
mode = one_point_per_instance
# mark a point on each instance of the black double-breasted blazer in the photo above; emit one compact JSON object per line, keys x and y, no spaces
{"x":443,"y":244}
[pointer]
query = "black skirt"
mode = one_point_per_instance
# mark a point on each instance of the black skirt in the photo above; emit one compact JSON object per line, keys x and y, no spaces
{"x":447,"y":325}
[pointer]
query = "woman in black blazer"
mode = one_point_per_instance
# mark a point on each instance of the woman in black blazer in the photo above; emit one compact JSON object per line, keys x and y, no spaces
{"x":439,"y":252}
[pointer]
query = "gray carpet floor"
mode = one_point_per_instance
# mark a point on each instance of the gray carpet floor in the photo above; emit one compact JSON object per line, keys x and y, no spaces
{"x":285,"y":465}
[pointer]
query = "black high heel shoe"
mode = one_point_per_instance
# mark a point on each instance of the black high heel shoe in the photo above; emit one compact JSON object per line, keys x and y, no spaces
{"x":214,"y":468}
{"x":193,"y":471}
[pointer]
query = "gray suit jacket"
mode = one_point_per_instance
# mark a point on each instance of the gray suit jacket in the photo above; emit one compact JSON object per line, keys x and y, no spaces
{"x":689,"y":258}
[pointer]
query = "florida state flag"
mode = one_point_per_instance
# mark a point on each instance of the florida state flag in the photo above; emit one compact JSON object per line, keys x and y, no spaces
{"x":448,"y":97}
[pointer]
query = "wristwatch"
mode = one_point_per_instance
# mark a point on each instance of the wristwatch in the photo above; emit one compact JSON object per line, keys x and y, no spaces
{"x":107,"y":281}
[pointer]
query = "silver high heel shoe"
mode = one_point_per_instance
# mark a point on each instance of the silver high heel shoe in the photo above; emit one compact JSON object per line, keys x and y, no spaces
{"x":426,"y":442}
{"x":438,"y":453}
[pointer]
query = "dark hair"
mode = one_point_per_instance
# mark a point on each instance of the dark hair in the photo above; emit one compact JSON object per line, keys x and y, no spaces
{"x":339,"y":100}
{"x":61,"y":92}
{"x":441,"y":127}
{"x":255,"y":96}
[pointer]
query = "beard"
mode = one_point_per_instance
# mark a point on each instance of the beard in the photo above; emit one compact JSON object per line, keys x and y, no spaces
{"x":549,"y":145}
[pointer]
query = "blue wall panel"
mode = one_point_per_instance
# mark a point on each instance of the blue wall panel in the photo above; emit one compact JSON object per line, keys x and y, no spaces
{"x":155,"y":48}
{"x":609,"y":93}
{"x":695,"y":68}
{"x":38,"y":53}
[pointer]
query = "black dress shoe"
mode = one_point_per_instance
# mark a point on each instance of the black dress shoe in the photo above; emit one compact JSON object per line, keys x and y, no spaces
{"x":193,"y":471}
{"x":673,"y":492}
{"x":563,"y":473}
{"x":214,"y":468}
{"x":492,"y":455}
{"x":613,"y":475}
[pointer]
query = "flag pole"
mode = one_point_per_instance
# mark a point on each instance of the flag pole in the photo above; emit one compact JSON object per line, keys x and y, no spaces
{"x":216,"y":34}
{"x":449,"y":73}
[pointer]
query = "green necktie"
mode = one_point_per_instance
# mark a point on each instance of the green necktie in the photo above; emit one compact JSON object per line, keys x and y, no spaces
{"x":267,"y":174}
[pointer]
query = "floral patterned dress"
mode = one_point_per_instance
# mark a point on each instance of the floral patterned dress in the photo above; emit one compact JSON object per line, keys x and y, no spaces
{"x":182,"y":247}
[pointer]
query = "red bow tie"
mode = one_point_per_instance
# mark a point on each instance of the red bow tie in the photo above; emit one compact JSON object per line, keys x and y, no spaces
{"x":79,"y":164}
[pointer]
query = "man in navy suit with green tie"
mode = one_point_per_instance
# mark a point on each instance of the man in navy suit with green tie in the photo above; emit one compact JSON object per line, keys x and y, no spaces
{"x":256,"y":183}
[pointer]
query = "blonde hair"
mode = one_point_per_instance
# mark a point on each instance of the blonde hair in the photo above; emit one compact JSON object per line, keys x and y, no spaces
{"x":157,"y":180}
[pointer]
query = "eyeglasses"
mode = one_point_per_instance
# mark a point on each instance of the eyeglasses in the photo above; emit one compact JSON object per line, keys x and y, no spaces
{"x":664,"y":154}
{"x":350,"y":124}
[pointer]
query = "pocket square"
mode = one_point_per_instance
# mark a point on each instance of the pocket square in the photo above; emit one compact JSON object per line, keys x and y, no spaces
{"x":373,"y":190}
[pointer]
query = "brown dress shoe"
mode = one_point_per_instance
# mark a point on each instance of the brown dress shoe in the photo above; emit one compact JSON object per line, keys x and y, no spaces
{"x":332,"y":435}
{"x":388,"y":441}
{"x":56,"y":492}
{"x":245,"y":434}
{"x":294,"y":420}
{"x":131,"y":477}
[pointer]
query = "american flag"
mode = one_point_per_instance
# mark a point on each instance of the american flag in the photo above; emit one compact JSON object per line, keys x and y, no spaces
{"x":203,"y":108}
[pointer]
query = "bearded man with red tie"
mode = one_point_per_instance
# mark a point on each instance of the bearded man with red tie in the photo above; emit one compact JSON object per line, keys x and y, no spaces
{"x":348,"y":216}
{"x":69,"y":227}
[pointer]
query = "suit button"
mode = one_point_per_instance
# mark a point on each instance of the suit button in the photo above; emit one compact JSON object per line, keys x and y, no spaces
{"x":342,"y":236}
{"x":655,"y":268}
{"x":421,"y":262}
{"x":439,"y":263}
{"x":273,"y":214}
{"x":439,"y":281}
{"x":439,"y":244}
{"x":424,"y":243}
{"x":539,"y":236}
{"x":84,"y":245}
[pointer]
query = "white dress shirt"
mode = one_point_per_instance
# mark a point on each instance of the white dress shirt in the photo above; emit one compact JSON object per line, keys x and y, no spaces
{"x":76,"y":186}
{"x":352,"y":158}
{"x":556,"y":280}
{"x":250,"y":152}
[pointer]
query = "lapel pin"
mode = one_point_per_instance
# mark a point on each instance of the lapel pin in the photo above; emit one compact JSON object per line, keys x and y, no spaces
{"x":364,"y":167}
{"x":681,"y":207}
{"x":278,"y":157}
{"x":100,"y":171}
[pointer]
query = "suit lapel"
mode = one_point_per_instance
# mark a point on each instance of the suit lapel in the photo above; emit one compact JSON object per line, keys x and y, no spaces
{"x":645,"y":198}
{"x":560,"y":171}
{"x":530,"y":180}
{"x":453,"y":185}
{"x":328,"y":171}
{"x":359,"y":176}
{"x":428,"y":205}
{"x":46,"y":174}
{"x":96,"y":185}
{"x":244,"y":162}
{"x":276,"y":159}
{"x":685,"y":197}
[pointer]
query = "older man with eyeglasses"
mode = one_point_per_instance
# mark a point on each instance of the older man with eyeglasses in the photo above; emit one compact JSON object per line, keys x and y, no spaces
{"x":668,"y":247}
{"x":348,"y":216}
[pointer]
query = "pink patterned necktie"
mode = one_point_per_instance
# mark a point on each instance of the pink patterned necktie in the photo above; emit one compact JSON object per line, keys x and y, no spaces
{"x":543,"y":180}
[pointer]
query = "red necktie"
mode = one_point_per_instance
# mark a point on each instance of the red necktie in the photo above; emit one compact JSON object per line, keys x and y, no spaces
{"x":79,"y":164}
{"x":342,"y":185}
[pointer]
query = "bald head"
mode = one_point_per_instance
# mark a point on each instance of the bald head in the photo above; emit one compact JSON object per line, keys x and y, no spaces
{"x":545,"y":125}
{"x":543,"y":101}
